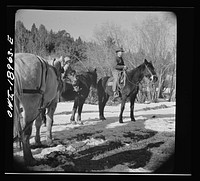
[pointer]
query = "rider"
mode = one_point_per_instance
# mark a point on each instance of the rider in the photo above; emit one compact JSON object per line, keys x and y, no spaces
{"x":70,"y":73}
{"x":120,"y":66}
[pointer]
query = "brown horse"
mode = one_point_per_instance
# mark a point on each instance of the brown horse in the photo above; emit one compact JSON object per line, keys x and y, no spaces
{"x":36,"y":88}
{"x":130,"y":89}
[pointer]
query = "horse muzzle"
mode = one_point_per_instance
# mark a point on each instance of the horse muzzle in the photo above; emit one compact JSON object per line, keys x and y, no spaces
{"x":153,"y":78}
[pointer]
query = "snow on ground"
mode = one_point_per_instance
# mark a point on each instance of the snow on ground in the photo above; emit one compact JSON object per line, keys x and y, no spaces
{"x":164,"y":118}
{"x":90,"y":115}
{"x":158,"y":117}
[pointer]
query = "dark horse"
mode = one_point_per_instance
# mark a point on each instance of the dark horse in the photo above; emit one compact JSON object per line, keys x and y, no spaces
{"x":83,"y":81}
{"x":133,"y":78}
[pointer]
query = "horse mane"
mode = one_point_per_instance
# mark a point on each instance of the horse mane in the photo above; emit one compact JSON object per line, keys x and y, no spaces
{"x":135,"y":71}
{"x":84,"y":76}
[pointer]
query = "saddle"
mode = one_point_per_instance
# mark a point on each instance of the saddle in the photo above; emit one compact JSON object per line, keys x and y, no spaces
{"x":121,"y":80}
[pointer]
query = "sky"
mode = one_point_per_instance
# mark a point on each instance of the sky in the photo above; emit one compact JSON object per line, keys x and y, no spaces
{"x":79,"y":23}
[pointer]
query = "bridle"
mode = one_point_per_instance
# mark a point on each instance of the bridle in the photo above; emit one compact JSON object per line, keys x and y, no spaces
{"x":136,"y":84}
{"x":152,"y":76}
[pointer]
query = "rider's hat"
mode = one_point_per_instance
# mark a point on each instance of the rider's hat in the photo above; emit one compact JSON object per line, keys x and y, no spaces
{"x":119,"y":50}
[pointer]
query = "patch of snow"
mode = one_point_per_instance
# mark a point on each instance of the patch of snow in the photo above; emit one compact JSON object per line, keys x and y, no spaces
{"x":91,"y":142}
{"x":138,"y":118}
{"x":70,"y":148}
{"x":94,"y":142}
{"x":18,"y":153}
{"x":161,"y":124}
{"x":125,"y":168}
{"x":46,"y":151}
{"x":140,"y":169}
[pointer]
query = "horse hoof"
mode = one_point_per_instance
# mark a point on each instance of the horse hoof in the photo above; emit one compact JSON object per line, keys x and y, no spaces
{"x":133,"y":120}
{"x":102,"y":118}
{"x":80,"y":122}
{"x":73,"y":122}
{"x":120,"y":121}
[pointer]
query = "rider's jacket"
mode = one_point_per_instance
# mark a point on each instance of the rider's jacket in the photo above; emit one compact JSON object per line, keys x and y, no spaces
{"x":119,"y":63}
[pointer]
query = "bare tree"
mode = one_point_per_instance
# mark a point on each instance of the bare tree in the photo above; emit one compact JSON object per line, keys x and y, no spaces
{"x":153,"y":38}
{"x":156,"y":38}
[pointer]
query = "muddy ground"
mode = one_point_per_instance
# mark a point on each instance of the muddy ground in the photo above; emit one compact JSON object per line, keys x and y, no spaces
{"x":108,"y":146}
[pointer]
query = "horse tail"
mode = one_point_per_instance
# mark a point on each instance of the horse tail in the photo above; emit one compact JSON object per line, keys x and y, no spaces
{"x":100,"y":89}
{"x":17,"y":111}
{"x":99,"y":86}
{"x":17,"y":123}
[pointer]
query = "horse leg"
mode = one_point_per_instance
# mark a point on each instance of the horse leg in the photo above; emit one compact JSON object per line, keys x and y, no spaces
{"x":30,"y":108}
{"x":132,"y":100}
{"x":28,"y":157}
{"x":49,"y":121}
{"x":43,"y":116}
{"x":101,"y":98}
{"x":105,"y":99}
{"x":80,"y":107}
{"x":100,"y":106}
{"x":38,"y":123}
{"x":122,"y":108}
{"x":72,"y":119}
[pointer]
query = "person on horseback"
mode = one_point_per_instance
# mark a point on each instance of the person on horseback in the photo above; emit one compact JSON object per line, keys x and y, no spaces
{"x":119,"y":66}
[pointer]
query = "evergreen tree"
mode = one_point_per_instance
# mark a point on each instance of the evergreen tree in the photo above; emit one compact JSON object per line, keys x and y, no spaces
{"x":21,"y":37}
{"x":43,"y":34}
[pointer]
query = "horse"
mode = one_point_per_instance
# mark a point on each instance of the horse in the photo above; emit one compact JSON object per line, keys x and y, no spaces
{"x":36,"y":88}
{"x":78,"y":92}
{"x":129,"y":90}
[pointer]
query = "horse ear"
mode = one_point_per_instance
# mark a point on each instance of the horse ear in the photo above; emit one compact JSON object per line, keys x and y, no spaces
{"x":53,"y":61}
{"x":145,"y":61}
{"x":95,"y":69}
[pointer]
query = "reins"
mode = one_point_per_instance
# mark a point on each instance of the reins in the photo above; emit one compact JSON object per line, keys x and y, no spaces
{"x":136,"y":84}
{"x":138,"y":81}
{"x":148,"y":70}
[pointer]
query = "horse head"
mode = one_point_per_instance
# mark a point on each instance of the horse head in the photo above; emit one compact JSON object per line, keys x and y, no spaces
{"x":62,"y":66}
{"x":149,"y":71}
{"x":58,"y":66}
{"x":93,"y":76}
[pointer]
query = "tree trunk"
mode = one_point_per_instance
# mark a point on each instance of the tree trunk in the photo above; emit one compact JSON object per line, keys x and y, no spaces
{"x":173,"y":84}
{"x":172,"y":88}
{"x":160,"y":82}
